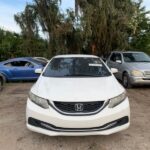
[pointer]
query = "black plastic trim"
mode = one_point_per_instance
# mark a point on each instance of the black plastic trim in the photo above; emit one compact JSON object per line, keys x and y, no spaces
{"x":47,"y":126}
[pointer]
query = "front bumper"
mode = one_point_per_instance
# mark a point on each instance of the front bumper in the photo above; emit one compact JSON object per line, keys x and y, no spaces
{"x":50,"y":122}
{"x":139,"y":80}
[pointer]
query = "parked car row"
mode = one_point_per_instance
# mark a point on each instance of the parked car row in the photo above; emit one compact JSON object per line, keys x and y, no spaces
{"x":1,"y":82}
{"x":79,"y":94}
{"x":133,"y":68}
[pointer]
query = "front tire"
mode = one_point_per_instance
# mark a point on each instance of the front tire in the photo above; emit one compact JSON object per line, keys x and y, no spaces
{"x":1,"y":84}
{"x":126,"y":81}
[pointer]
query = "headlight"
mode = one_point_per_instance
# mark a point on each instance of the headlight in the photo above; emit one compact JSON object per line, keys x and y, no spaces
{"x":38,"y":100}
{"x":136,"y":73}
{"x":117,"y":100}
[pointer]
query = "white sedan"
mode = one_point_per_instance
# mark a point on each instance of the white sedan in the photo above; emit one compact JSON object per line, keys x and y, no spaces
{"x":77,"y":95}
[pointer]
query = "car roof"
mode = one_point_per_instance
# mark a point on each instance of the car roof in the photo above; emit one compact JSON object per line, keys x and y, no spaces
{"x":75,"y":55}
{"x":127,"y":52}
{"x":18,"y":59}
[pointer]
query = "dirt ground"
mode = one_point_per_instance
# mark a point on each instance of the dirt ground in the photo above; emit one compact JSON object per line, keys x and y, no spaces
{"x":15,"y":136}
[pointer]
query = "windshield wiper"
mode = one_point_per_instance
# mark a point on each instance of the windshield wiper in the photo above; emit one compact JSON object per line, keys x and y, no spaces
{"x":81,"y":75}
{"x":142,"y":61}
{"x":145,"y":61}
{"x":136,"y":61}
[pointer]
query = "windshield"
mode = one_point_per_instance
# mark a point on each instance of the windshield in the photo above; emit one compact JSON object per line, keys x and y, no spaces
{"x":136,"y":57}
{"x":76,"y":67}
{"x":39,"y":62}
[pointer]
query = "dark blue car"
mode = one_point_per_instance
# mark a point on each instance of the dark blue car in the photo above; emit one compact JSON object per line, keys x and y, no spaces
{"x":20,"y":69}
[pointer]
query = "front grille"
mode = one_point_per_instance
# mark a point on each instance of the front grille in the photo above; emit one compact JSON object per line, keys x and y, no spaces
{"x":147,"y":73}
{"x":79,"y":107}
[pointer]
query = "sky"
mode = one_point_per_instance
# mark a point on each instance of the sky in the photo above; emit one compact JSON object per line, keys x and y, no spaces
{"x":10,"y":7}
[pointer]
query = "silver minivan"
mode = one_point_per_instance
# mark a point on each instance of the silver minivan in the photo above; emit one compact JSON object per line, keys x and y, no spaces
{"x":133,"y":67}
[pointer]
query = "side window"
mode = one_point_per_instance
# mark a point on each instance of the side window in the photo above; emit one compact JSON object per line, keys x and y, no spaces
{"x":19,"y":64}
{"x":29,"y":64}
{"x":118,"y":56}
{"x":113,"y":57}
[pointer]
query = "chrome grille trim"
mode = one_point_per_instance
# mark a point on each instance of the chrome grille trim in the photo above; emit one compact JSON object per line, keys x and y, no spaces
{"x":79,"y":113}
{"x":147,"y":73}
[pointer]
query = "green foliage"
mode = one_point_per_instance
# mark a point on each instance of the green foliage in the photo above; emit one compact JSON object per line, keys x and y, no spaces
{"x":96,"y":26}
{"x":14,"y":45}
{"x":106,"y":23}
{"x":110,"y":25}
{"x":140,"y":37}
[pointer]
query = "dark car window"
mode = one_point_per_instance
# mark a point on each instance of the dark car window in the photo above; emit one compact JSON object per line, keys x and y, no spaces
{"x":115,"y":57}
{"x":136,"y":57}
{"x":75,"y":67}
{"x":19,"y":64}
{"x":29,"y":64}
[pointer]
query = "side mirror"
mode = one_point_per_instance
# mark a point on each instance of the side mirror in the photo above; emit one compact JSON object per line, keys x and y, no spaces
{"x":38,"y":71}
{"x":114,"y":70}
{"x":118,"y":61}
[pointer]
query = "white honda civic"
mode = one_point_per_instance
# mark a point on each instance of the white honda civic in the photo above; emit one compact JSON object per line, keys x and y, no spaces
{"x":77,"y":95}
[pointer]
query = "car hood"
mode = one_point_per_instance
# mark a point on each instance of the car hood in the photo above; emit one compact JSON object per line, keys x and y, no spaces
{"x":77,"y":89}
{"x":139,"y":66}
